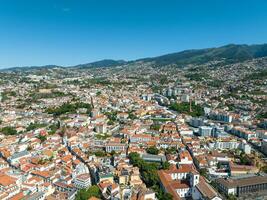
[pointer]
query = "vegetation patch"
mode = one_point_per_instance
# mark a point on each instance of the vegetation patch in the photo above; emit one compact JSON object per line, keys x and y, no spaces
{"x":149,"y":174}
{"x":196,"y":110}
{"x":68,"y":108}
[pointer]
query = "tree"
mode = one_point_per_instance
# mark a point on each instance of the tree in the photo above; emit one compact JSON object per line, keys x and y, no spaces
{"x":42,"y":138}
{"x":170,"y":150}
{"x":85,"y":194}
{"x":152,"y":150}
{"x":132,"y":116}
{"x":110,"y":122}
{"x":112,"y":153}
{"x":51,"y":158}
{"x":161,"y":195}
{"x":232,"y":197}
{"x":165,"y":196}
{"x":149,"y":175}
{"x":148,"y":170}
{"x":155,"y":127}
{"x":68,"y":108}
{"x":112,"y":116}
{"x":165,"y":165}
{"x":203,"y":171}
{"x":9,"y":131}
{"x":100,"y":153}
{"x":264,"y":169}
{"x":29,"y":148}
{"x":53,"y":128}
{"x":184,"y":107}
{"x":34,"y":126}
{"x":136,"y":160}
{"x":244,"y":159}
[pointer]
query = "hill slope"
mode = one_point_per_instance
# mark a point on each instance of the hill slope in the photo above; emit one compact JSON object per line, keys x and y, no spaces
{"x":229,"y":53}
{"x":102,"y":63}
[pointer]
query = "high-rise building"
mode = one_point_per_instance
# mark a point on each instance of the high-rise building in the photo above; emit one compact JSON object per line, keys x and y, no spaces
{"x":205,"y":131}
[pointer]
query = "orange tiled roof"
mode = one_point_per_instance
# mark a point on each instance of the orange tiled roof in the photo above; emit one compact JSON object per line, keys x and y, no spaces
{"x":6,"y":180}
{"x":18,"y":196}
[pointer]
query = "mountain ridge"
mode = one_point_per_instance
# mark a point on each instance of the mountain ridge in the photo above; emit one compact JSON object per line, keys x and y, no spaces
{"x":230,"y":53}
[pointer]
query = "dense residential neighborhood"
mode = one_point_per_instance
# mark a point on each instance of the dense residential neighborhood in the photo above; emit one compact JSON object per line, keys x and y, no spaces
{"x":136,"y":131}
{"x":133,"y":100}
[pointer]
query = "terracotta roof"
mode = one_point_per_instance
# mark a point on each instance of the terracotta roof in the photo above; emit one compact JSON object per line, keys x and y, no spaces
{"x":205,"y":189}
{"x":18,"y":196}
{"x":104,"y":184}
{"x":45,"y":174}
{"x":83,"y":176}
{"x":6,"y":180}
{"x":66,"y":158}
{"x":168,"y":184}
{"x":181,"y":169}
{"x":93,"y":198}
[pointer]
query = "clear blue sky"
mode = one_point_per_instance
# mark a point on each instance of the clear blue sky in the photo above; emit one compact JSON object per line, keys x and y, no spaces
{"x":68,"y":32}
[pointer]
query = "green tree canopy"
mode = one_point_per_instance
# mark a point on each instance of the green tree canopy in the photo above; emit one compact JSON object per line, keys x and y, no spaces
{"x":69,"y":108}
{"x":152,"y":150}
{"x":42,"y":138}
{"x":85,"y":194}
{"x":149,"y":175}
{"x":165,"y":165}
{"x":8,"y":130}
{"x":184,"y":107}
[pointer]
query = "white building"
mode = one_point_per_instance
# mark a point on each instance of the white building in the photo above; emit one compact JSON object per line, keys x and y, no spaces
{"x":205,"y":131}
{"x":82,"y":181}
